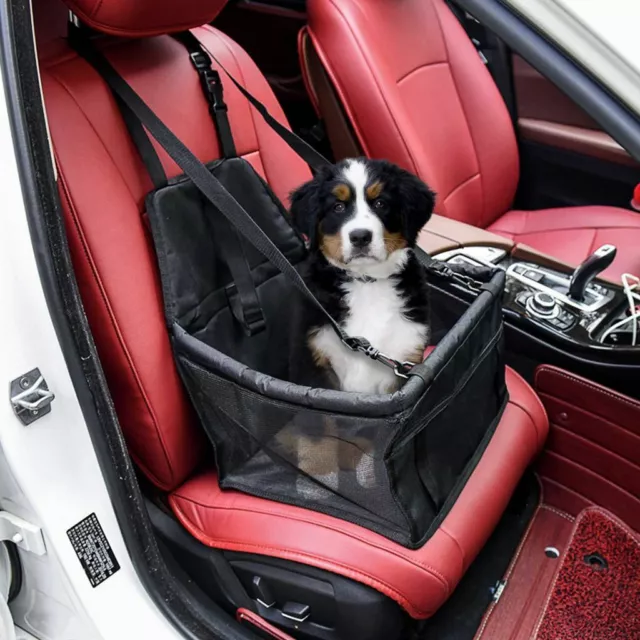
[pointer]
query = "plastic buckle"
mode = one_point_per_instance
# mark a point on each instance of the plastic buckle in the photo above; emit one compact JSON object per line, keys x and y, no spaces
{"x":250,"y":317}
{"x":254,"y":321}
{"x":213,"y":86}
{"x":200,"y":60}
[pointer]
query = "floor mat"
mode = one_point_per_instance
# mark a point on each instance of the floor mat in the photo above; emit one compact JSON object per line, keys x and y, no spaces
{"x":529,"y":578}
{"x":596,"y":592}
{"x":461,"y":614}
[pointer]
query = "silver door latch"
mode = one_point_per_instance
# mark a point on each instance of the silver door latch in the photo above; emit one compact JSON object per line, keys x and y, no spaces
{"x":30,"y":396}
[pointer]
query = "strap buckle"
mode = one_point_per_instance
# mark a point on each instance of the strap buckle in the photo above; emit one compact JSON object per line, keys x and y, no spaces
{"x":210,"y":80}
{"x":249,"y":316}
{"x":362,"y":345}
{"x":213,"y":86}
{"x":200,"y":60}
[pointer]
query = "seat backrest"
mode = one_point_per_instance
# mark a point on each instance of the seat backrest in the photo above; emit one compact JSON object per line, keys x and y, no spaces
{"x":417,"y":93}
{"x":103,"y":184}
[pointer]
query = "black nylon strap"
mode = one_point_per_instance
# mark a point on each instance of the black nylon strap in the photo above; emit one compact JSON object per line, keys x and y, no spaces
{"x":218,"y":195}
{"x":314,"y":159}
{"x":144,"y":145}
{"x":208,"y":184}
{"x":212,"y":87}
{"x":242,"y":294}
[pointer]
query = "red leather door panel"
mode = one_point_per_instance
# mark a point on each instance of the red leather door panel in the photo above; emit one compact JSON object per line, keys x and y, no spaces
{"x":592,"y":455}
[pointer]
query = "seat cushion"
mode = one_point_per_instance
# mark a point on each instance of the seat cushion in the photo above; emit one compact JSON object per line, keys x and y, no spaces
{"x":103,"y":185}
{"x":419,"y":580}
{"x":573,"y":233}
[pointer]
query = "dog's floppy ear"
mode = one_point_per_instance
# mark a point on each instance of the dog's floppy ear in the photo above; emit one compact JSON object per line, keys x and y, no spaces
{"x":417,"y":205}
{"x":306,"y":206}
{"x":305,"y":209}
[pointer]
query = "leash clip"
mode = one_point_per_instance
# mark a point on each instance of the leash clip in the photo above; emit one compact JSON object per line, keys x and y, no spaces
{"x":401,"y":369}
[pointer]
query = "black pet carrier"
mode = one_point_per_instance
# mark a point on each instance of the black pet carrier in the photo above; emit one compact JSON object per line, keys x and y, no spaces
{"x":232,"y":269}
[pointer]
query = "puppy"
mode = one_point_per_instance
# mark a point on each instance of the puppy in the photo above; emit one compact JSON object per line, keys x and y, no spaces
{"x":362,"y":218}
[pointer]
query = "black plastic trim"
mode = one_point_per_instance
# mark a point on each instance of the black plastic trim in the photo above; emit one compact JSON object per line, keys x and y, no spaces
{"x":195,"y":618}
{"x":556,"y":65}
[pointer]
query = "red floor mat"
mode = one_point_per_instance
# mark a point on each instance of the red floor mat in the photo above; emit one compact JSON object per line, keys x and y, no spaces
{"x":590,"y":600}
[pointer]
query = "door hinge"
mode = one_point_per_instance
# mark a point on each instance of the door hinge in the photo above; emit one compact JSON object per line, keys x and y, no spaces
{"x":25,"y":535}
{"x":30,"y":396}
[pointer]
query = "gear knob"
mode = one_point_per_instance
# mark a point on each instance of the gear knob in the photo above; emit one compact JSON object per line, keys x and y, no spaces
{"x":597,"y":262}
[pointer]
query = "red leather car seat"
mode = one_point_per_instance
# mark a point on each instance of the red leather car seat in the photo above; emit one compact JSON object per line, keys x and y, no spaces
{"x":102,"y":185}
{"x":416,"y":92}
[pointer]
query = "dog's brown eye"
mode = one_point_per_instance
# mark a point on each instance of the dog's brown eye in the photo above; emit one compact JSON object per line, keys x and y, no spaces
{"x":339,"y":207}
{"x":378,"y":204}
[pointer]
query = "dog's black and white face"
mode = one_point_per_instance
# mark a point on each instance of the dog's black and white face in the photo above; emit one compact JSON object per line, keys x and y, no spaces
{"x":362,"y":214}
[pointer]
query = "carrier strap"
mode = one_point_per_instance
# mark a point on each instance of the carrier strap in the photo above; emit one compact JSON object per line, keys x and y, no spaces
{"x":144,"y":145}
{"x":219,"y":196}
{"x":213,"y":91}
{"x":303,"y":149}
{"x":241,"y":293}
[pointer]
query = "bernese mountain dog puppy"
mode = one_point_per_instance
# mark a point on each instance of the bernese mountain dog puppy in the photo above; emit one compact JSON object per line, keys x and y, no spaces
{"x":362,"y":218}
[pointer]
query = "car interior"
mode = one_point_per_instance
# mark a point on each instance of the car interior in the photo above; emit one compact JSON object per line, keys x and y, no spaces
{"x":526,"y":181}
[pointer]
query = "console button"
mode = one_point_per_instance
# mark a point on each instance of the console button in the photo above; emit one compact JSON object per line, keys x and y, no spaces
{"x":543,"y":303}
{"x":536,"y":276}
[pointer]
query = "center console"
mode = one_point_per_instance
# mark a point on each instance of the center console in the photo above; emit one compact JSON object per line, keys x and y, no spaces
{"x":544,"y":297}
{"x":554,"y":314}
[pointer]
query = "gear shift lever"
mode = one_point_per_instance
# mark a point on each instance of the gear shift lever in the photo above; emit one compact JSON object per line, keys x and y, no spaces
{"x":597,"y":262}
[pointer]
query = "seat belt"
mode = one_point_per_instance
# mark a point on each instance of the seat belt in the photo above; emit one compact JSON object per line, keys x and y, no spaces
{"x":493,"y":52}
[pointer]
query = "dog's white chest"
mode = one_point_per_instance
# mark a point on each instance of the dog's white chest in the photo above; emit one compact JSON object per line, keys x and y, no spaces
{"x":375,"y":313}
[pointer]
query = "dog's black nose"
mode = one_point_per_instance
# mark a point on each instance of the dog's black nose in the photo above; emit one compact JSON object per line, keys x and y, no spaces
{"x":360,"y":237}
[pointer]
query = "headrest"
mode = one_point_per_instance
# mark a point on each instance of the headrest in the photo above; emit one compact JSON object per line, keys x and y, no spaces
{"x":138,"y":18}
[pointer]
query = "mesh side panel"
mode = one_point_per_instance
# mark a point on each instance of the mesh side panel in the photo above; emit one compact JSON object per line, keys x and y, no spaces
{"x":393,"y":464}
{"x":328,"y":462}
{"x":449,"y":428}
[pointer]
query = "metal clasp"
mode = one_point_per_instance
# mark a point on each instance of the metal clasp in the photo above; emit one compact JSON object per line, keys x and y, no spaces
{"x":30,"y":396}
{"x":401,"y":369}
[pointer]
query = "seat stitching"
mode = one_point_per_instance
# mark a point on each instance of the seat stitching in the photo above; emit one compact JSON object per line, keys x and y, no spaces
{"x":536,"y":399}
{"x":356,"y":41}
{"x":496,"y":226}
{"x":426,"y":65}
{"x":87,"y":252}
{"x":362,"y":575}
{"x":593,"y":241}
{"x":338,"y":529}
{"x":462,"y":184}
{"x":466,"y":119}
{"x":558,"y":512}
{"x":67,"y":90}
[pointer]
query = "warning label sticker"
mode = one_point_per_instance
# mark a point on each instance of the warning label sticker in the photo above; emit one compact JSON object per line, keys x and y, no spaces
{"x":93,"y":550}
